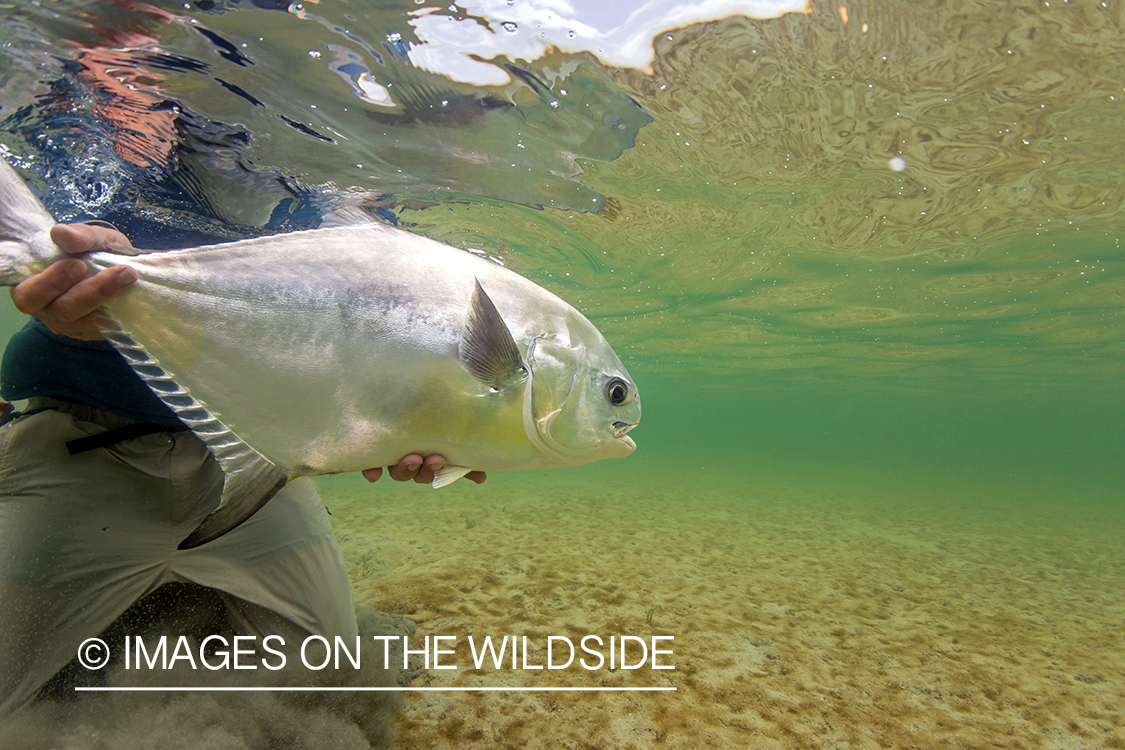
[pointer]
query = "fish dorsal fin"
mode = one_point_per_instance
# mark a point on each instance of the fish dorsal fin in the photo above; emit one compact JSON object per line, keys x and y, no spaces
{"x":487,"y":348}
{"x":249,"y":480}
{"x":347,"y":216}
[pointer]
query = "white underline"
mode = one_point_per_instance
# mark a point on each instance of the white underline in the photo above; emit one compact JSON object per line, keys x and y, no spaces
{"x":364,"y":689}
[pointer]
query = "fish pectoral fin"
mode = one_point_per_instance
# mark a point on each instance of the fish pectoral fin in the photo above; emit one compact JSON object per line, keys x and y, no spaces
{"x":449,"y":474}
{"x":243,"y":496}
{"x":487,"y":349}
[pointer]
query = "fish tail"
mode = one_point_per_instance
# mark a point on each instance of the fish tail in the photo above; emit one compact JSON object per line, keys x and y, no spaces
{"x":25,"y":242}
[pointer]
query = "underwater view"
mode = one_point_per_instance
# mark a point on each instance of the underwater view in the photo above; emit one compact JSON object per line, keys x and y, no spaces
{"x":862,"y":260}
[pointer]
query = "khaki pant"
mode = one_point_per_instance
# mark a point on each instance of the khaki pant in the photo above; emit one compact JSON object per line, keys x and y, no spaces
{"x":83,"y":537}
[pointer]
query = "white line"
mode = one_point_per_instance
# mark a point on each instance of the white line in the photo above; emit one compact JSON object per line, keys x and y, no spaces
{"x":363,"y":689}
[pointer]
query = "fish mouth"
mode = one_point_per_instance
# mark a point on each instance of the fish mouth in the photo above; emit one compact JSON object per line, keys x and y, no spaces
{"x":620,"y":428}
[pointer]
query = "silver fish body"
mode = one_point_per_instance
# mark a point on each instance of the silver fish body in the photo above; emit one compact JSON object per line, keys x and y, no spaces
{"x":338,"y":349}
{"x":347,"y":348}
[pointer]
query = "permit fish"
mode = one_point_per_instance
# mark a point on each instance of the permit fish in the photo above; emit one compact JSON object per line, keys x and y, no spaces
{"x":345,"y":348}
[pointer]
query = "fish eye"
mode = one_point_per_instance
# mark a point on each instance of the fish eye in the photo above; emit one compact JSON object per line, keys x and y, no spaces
{"x":616,"y":391}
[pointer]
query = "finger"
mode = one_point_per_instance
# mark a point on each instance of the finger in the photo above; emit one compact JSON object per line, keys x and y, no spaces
{"x":87,"y":296}
{"x":84,"y":238}
{"x":33,"y":294}
{"x":476,"y":476}
{"x":406,"y":469}
{"x":87,"y":328}
{"x":431,"y":466}
{"x":372,"y":475}
{"x":73,"y":238}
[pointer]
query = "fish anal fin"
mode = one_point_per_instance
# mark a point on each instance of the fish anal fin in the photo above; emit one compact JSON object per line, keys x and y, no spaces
{"x":449,"y":474}
{"x":249,"y":479}
{"x":487,"y":349}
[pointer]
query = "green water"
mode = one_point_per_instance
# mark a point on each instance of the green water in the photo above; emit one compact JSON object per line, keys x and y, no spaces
{"x":784,"y":298}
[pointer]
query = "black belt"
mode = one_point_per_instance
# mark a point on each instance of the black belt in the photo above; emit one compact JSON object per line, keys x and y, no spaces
{"x":103,"y":439}
{"x":111,"y":437}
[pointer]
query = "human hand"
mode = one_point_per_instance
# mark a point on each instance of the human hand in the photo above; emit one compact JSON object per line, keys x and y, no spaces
{"x":421,"y":470}
{"x":62,"y":296}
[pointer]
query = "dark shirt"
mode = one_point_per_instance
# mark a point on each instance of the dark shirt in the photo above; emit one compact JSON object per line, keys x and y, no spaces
{"x":38,"y":362}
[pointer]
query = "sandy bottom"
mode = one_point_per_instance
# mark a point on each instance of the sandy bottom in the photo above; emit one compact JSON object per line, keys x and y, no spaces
{"x":805,"y":613}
